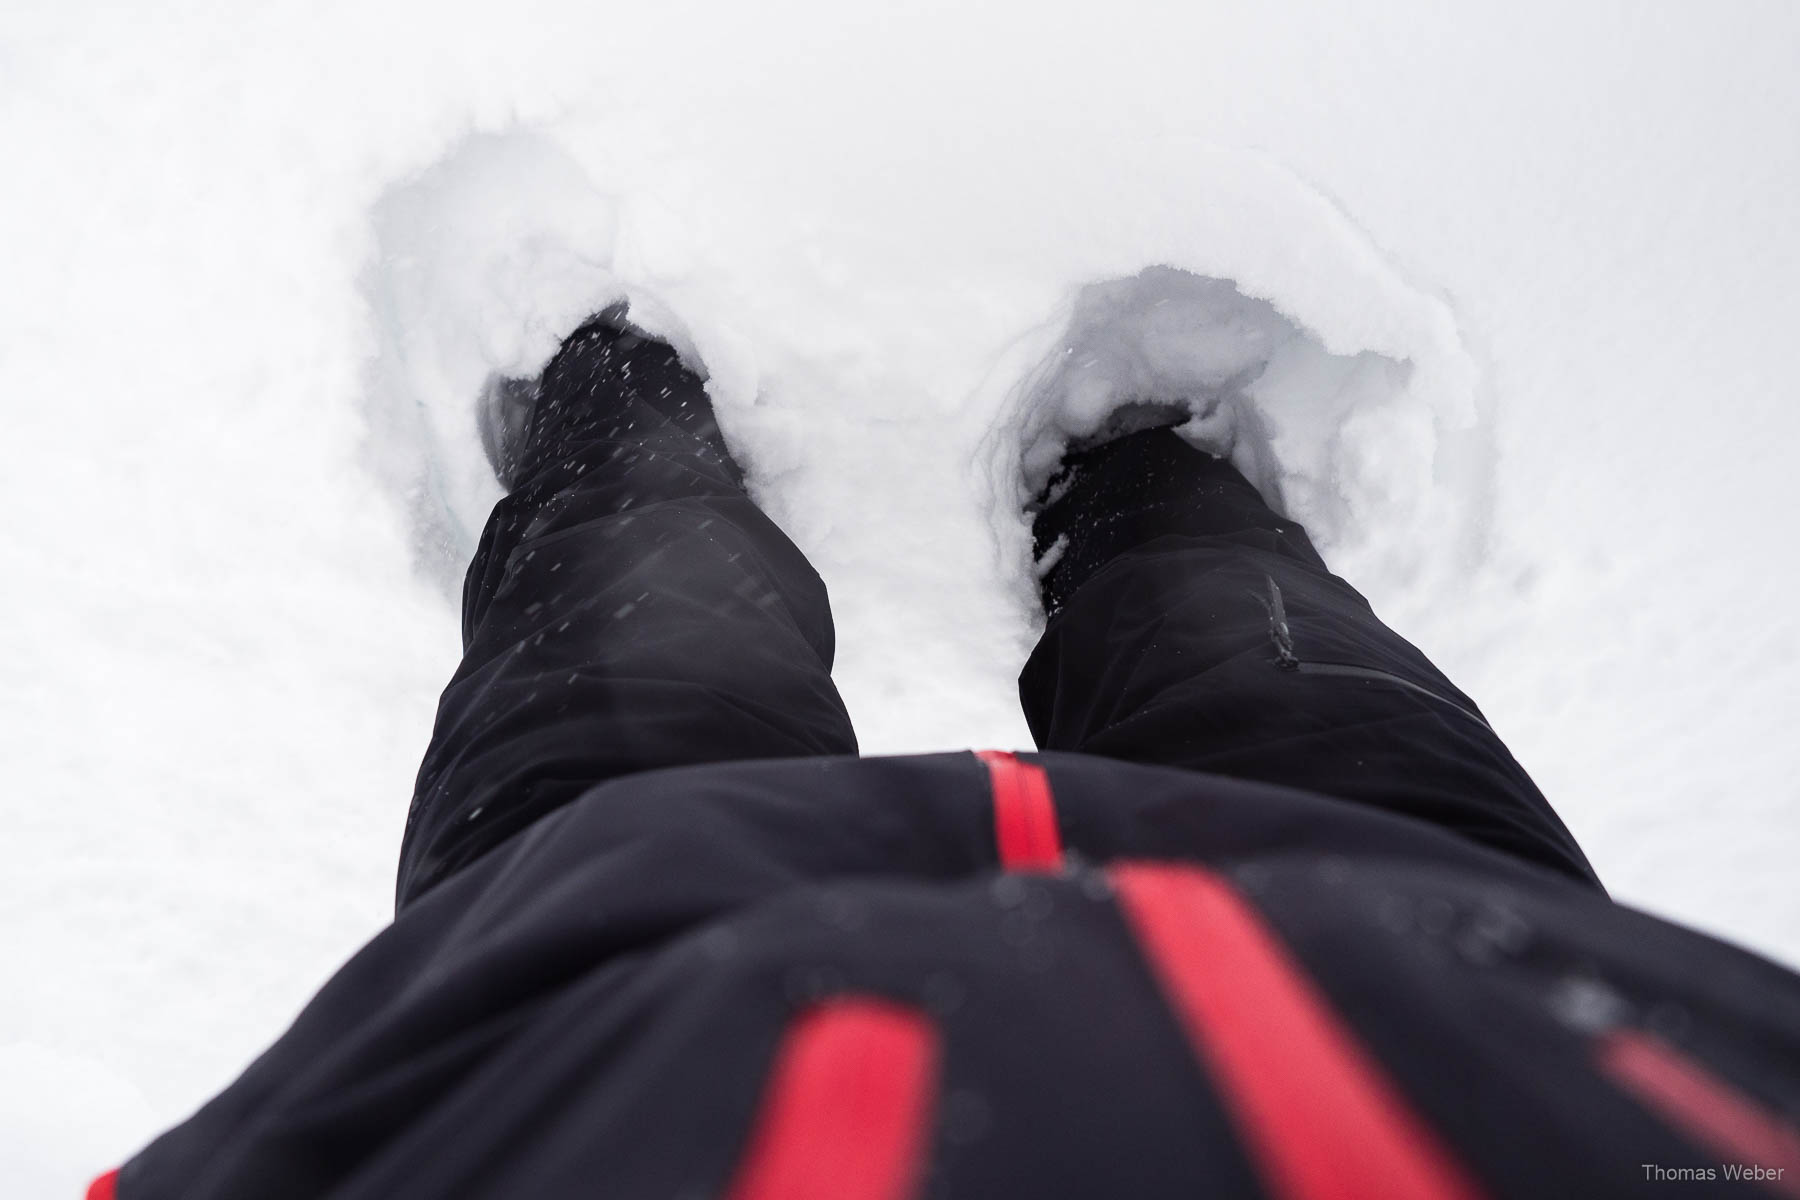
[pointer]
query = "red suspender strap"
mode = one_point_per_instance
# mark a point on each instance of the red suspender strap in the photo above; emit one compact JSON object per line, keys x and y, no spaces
{"x":1314,"y":1110}
{"x":105,"y":1187}
{"x":847,"y":1107}
{"x":1702,"y":1107}
{"x":1024,"y":813}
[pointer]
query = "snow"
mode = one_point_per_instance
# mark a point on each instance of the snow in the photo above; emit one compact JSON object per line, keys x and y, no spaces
{"x":1517,"y":279}
{"x":1345,"y":443}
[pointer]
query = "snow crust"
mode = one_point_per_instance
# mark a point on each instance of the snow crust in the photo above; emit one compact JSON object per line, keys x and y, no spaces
{"x":1498,"y":303}
{"x":1346,"y":442}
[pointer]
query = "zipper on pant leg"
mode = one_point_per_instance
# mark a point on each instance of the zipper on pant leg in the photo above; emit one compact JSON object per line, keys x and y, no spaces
{"x":1346,"y":671}
{"x":1288,"y":660}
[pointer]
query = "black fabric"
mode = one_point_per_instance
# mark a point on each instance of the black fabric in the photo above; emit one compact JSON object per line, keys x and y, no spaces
{"x":628,"y":607}
{"x":1190,"y":625}
{"x":642,"y":842}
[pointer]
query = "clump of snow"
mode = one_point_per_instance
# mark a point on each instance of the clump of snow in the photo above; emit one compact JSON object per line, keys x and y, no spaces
{"x":482,"y":264}
{"x":1332,"y":440}
{"x":1342,"y":392}
{"x":1163,"y":338}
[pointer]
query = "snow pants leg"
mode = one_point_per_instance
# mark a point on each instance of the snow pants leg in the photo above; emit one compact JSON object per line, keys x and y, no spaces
{"x":1193,"y":626}
{"x":629,"y":607}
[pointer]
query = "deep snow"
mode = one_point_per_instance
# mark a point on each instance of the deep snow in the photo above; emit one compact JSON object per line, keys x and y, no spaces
{"x":1497,"y":300}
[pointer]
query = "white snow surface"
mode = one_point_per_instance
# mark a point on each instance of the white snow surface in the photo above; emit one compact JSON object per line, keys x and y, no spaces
{"x":1496,"y":298}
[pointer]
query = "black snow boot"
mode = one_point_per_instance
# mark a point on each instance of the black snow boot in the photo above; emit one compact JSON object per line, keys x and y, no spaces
{"x":610,"y":380}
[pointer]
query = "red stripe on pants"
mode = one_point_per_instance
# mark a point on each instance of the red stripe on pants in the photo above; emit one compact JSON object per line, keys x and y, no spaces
{"x":1024,"y":813}
{"x":1702,"y":1107}
{"x":847,"y":1106}
{"x":1316,"y":1113}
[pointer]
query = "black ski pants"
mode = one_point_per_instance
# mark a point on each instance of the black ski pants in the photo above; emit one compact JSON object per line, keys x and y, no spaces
{"x":631,"y":608}
{"x":1273,"y":913}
